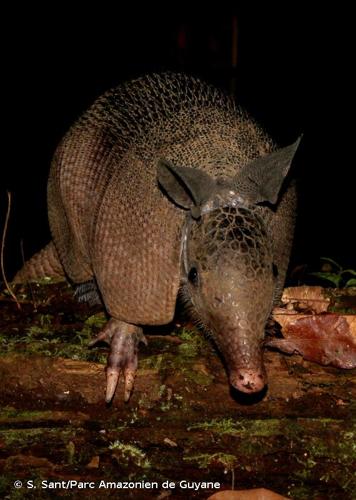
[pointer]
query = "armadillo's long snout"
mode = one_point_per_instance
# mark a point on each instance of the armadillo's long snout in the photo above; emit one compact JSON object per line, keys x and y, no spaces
{"x":248,"y":380}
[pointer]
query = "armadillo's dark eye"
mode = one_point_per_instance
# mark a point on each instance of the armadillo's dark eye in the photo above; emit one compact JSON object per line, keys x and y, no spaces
{"x":275,"y":270}
{"x":193,"y":275}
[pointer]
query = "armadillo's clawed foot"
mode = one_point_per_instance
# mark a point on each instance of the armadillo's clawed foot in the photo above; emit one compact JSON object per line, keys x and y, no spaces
{"x":124,"y":340}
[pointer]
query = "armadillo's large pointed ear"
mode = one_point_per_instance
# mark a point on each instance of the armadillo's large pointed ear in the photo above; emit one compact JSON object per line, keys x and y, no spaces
{"x":261,"y":180}
{"x":187,"y":187}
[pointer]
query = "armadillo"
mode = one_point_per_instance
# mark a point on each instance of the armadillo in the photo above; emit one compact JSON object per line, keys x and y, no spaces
{"x":165,"y":189}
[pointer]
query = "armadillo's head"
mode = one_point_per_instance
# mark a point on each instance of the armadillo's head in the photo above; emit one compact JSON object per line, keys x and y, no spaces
{"x":230,"y":280}
{"x":229,"y":275}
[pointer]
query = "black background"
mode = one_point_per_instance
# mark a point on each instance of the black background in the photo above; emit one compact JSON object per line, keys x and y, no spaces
{"x":293,"y":74}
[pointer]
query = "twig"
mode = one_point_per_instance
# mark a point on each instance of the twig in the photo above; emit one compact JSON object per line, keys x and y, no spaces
{"x":2,"y":251}
{"x":34,"y":302}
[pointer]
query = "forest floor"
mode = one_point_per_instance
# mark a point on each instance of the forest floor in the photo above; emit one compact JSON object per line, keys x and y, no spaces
{"x":183,"y":428}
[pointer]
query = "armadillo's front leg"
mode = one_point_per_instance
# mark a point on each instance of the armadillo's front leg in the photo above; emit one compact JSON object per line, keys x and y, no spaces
{"x":123,"y":339}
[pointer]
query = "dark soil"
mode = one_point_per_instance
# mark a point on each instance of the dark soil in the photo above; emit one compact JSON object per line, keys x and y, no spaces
{"x":182,"y":423}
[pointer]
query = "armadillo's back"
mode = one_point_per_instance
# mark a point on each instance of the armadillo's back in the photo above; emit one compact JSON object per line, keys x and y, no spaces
{"x":107,"y":214}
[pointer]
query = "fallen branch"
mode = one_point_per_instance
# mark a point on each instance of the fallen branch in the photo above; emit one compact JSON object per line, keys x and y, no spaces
{"x":7,"y":286}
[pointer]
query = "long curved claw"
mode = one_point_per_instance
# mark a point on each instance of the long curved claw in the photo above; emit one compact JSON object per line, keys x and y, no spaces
{"x":112,"y":379}
{"x":129,"y":376}
{"x":103,"y":336}
{"x":123,"y":357}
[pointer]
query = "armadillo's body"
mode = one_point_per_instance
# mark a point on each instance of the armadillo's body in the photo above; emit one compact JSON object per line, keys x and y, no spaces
{"x":111,"y":219}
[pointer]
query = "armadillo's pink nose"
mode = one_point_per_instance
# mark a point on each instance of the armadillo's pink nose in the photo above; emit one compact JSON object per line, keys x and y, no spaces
{"x":247,"y":380}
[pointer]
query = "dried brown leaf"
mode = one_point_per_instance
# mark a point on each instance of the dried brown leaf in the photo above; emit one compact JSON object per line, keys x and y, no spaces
{"x":328,"y":339}
{"x":254,"y":494}
{"x":311,"y":298}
